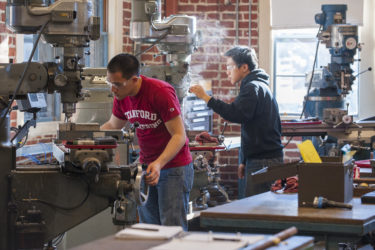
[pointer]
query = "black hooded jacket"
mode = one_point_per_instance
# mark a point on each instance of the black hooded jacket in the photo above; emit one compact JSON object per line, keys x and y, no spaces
{"x":257,"y":111}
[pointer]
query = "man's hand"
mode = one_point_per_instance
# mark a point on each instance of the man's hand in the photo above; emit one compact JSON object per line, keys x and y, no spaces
{"x":199,"y":91}
{"x":153,"y":173}
{"x":241,"y":171}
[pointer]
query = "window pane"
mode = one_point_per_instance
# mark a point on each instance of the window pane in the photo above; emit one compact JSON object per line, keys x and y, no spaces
{"x":290,"y":93}
{"x":294,"y":53}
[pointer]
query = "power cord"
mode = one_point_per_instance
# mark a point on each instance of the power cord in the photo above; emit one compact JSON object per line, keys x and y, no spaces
{"x":310,"y":83}
{"x":62,"y":207}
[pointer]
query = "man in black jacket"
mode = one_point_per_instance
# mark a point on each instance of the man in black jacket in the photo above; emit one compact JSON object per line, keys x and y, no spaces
{"x":255,"y":109}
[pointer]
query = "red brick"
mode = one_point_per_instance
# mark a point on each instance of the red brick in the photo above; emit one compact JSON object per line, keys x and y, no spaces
{"x":186,"y":8}
{"x":146,"y":57}
{"x":209,"y":74}
{"x":254,"y":8}
{"x":210,"y":50}
{"x":2,"y":28}
{"x":244,"y":42}
{"x":127,"y":49}
{"x":223,"y":160}
{"x":126,"y":22}
{"x":126,"y":14}
{"x":215,"y":16}
{"x":227,"y":24}
{"x":2,"y":5}
{"x":127,"y":40}
{"x":221,"y":91}
{"x":254,"y":33}
{"x":229,"y":41}
{"x":228,"y":153}
{"x":12,"y":52}
{"x":292,"y":154}
{"x":223,"y":75}
{"x":291,"y":146}
{"x":126,"y":5}
{"x":232,"y":33}
{"x":236,"y":128}
{"x":229,"y":168}
{"x":45,"y":140}
{"x":13,"y":115}
{"x":30,"y":142}
{"x":234,"y":161}
{"x":243,"y":24}
{"x":230,"y":16}
{"x":206,"y":8}
{"x":227,"y":83}
{"x":212,"y":66}
{"x":228,"y":8}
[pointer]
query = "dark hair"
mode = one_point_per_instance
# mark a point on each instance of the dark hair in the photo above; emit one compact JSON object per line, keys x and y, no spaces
{"x":243,"y":55}
{"x":127,"y":64}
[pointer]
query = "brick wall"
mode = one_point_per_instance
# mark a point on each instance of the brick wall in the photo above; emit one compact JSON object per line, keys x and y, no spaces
{"x":291,"y":152}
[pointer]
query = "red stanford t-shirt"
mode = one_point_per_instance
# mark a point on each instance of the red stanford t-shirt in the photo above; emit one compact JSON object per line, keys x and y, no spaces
{"x":155,"y":104}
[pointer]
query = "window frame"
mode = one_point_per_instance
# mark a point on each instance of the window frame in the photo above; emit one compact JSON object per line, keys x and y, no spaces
{"x":308,"y":38}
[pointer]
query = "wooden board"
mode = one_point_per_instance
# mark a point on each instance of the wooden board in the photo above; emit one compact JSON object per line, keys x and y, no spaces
{"x":281,"y":207}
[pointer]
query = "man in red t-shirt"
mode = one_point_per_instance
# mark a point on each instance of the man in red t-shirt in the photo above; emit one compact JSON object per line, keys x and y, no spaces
{"x":161,"y":135}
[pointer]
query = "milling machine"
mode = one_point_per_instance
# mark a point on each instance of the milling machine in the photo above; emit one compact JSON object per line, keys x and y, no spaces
{"x":41,"y":202}
{"x":175,"y":36}
{"x":332,"y":83}
{"x":327,"y":89}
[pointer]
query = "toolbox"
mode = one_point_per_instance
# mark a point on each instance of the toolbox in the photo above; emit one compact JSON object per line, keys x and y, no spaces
{"x":330,"y":179}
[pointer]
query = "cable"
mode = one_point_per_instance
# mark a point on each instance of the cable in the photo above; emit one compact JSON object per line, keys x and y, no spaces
{"x":62,"y":207}
{"x":5,"y":112}
{"x":310,"y":83}
{"x":21,"y":143}
{"x":286,"y":144}
{"x":56,"y":241}
{"x":153,"y":44}
{"x":312,"y":74}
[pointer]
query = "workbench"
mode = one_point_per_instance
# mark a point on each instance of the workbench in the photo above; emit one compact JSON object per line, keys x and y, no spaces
{"x":271,"y":212}
{"x":110,"y":242}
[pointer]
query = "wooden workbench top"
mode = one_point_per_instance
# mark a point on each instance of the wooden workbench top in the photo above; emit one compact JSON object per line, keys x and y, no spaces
{"x":281,"y":207}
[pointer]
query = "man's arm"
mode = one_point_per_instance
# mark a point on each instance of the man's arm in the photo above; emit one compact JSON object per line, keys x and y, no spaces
{"x":241,"y":110}
{"x":176,"y":129}
{"x":113,"y":123}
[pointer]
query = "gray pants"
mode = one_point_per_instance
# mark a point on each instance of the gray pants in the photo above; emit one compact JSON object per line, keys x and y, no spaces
{"x":253,"y":165}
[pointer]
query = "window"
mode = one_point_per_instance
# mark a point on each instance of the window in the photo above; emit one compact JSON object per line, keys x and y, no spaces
{"x":294,"y":52}
{"x":97,"y":57}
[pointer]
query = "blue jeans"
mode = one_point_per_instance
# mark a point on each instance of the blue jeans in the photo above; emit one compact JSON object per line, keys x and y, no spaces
{"x":168,"y":201}
{"x":253,"y":165}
